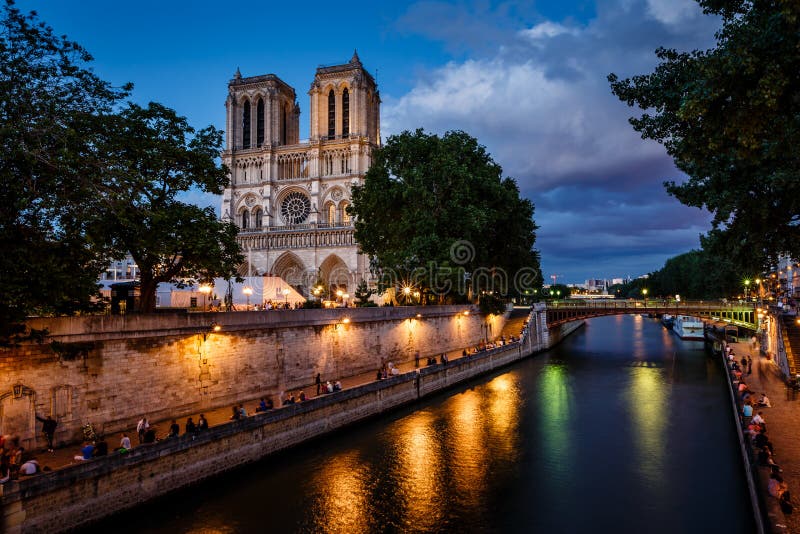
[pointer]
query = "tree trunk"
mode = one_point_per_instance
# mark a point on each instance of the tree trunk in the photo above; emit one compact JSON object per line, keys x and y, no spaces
{"x":147,"y":299}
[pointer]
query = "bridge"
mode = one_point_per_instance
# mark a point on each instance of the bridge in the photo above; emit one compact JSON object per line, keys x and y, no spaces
{"x":739,"y":314}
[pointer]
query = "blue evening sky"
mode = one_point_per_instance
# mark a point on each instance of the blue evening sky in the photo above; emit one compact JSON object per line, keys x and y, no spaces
{"x":528,"y":79}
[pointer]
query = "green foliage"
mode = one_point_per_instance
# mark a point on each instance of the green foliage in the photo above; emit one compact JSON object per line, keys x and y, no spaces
{"x":434,"y":208}
{"x":557,"y":291}
{"x":363,"y":293}
{"x":730,"y":118}
{"x":150,"y":155}
{"x":82,"y":183}
{"x":49,"y":103}
{"x":695,"y":275}
{"x":491,"y":304}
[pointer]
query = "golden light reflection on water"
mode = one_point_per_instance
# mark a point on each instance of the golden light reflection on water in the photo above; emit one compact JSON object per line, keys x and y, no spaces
{"x":467,"y":437}
{"x":505,"y":403}
{"x":341,"y":505}
{"x":420,"y":459}
{"x":647,"y":397}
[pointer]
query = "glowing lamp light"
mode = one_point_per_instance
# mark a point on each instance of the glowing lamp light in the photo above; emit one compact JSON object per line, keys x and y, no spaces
{"x":466,"y":312}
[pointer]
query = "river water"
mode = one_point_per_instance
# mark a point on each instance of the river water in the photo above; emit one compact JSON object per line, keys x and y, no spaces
{"x":621,"y":428}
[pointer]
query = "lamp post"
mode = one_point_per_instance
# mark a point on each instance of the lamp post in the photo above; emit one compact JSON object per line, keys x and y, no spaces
{"x":758,"y":291}
{"x":285,"y":295}
{"x":205,"y":289}
{"x":317,"y":292}
{"x":248,"y":291}
{"x":339,"y":294}
{"x":746,"y":290}
{"x":644,"y":292}
{"x":345,"y":296}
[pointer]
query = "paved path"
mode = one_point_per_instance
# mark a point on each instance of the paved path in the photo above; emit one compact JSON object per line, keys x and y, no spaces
{"x":783,"y":422}
{"x":65,"y":456}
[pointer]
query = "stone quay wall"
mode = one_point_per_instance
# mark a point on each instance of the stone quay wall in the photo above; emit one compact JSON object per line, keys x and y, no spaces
{"x":112,"y":370}
{"x":83,"y":493}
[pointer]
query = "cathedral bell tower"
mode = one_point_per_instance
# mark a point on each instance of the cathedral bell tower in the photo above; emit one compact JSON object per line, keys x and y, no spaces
{"x":345,"y":102}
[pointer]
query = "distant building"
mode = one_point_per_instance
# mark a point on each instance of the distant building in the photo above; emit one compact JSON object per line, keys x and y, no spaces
{"x":289,"y":198}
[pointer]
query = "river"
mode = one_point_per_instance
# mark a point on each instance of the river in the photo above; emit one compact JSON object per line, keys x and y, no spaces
{"x":621,"y":428}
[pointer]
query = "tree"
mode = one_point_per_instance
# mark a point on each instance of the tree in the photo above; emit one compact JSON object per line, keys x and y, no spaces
{"x":363,"y":292}
{"x":434,"y":209}
{"x":49,"y":102}
{"x":730,"y":118}
{"x":149,"y":156}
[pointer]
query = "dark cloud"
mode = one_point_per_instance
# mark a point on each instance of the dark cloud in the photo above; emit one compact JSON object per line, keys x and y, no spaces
{"x":540,"y":102}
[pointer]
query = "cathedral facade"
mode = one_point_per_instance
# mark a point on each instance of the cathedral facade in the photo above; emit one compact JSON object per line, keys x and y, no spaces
{"x":289,"y":199}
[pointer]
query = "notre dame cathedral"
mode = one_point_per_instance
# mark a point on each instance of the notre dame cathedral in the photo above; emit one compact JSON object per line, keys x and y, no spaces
{"x":289,"y":198}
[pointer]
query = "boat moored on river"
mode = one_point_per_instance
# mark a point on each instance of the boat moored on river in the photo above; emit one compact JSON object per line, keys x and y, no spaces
{"x":688,"y":327}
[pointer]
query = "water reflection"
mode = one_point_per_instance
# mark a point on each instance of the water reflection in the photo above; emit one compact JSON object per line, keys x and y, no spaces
{"x":418,"y":469}
{"x":574,"y":440}
{"x":555,"y":401}
{"x":649,"y":407}
{"x":340,"y":501}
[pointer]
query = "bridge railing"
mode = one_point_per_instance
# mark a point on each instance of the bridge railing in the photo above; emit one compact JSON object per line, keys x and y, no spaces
{"x":651,"y":303}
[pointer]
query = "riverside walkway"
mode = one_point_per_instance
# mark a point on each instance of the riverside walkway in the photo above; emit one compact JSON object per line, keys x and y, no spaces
{"x":65,"y":456}
{"x":783,"y":427}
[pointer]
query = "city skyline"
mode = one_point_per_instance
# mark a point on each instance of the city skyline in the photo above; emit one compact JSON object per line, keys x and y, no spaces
{"x":527,"y":81}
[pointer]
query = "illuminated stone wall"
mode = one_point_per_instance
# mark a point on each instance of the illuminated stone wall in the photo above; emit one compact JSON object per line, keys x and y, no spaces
{"x":112,"y":370}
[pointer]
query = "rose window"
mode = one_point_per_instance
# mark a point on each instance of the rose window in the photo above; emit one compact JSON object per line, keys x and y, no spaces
{"x":295,"y":208}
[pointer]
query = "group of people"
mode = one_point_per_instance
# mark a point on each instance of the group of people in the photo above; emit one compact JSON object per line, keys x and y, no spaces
{"x":14,"y":461}
{"x":756,"y":427}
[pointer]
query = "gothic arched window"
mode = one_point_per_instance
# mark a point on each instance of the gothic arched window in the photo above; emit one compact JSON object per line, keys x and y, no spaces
{"x":258,"y":217}
{"x":345,"y":215}
{"x":245,"y":219}
{"x":260,"y":122}
{"x":284,"y":135}
{"x":331,"y":115}
{"x":345,"y":113}
{"x":331,"y":214}
{"x":246,"y":124}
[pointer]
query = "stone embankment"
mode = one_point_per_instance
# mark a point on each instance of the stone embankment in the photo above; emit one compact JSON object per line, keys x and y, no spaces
{"x":79,"y":494}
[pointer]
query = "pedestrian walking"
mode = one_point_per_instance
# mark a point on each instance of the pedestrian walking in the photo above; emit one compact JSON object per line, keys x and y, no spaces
{"x":48,"y":429}
{"x":750,"y":366}
{"x":141,"y":428}
{"x":319,"y":383}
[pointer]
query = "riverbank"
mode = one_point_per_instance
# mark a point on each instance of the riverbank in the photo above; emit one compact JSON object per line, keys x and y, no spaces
{"x":782,"y":428}
{"x":79,"y":494}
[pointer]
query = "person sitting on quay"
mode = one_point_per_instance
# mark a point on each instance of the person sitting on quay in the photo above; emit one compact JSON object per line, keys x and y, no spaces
{"x":124,"y":443}
{"x":378,"y":376}
{"x":190,"y":427}
{"x":150,"y":436}
{"x":262,"y":405}
{"x":747,"y":410}
{"x":235,"y":413}
{"x":761,"y":440}
{"x":86,"y":452}
{"x":764,"y":401}
{"x":174,"y":429}
{"x":765,"y":458}
{"x":202,"y":423}
{"x":337,"y":386}
{"x":31,"y":467}
{"x":329,"y":386}
{"x":242,"y":411}
{"x":302,"y":396}
{"x":5,"y":469}
{"x":759,"y":420}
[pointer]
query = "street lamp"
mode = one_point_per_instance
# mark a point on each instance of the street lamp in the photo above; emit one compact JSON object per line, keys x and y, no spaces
{"x":747,"y":290}
{"x":644,"y":292}
{"x":205,"y":289}
{"x":248,"y":291}
{"x":339,"y":294}
{"x":345,"y":296}
{"x":317,"y":292}
{"x":286,"y":295}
